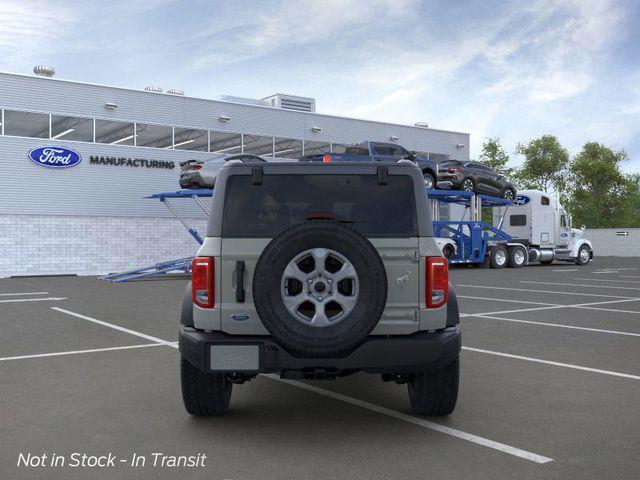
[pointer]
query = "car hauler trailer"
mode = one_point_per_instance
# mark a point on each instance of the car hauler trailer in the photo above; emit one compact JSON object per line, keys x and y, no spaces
{"x":533,"y":228}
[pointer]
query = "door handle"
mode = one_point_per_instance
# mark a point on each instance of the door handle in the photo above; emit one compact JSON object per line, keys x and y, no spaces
{"x":240,"y":281}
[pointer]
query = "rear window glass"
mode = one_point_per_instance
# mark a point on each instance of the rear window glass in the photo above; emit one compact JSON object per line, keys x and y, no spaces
{"x":518,"y":220}
{"x":286,"y":200}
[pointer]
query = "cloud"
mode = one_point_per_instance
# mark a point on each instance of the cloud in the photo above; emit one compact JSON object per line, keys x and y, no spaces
{"x":30,"y":29}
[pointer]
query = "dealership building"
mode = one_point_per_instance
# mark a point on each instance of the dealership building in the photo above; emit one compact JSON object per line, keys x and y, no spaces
{"x":121,"y":145}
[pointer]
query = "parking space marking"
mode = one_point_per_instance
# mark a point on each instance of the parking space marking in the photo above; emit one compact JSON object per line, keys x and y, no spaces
{"x":559,"y":325}
{"x":629,"y":276}
{"x":566,"y":270}
{"x":555,"y":306}
{"x":581,"y":285}
{"x":533,"y":457}
{"x":556,"y":364}
{"x":543,"y":291}
{"x":617,"y":310}
{"x":47,"y":299}
{"x":27,"y":293}
{"x":507,"y":300}
{"x":605,"y":280}
{"x":115,"y":327}
{"x":77,"y":352}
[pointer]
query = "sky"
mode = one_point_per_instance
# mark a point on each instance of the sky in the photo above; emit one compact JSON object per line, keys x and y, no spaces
{"x":509,"y":69}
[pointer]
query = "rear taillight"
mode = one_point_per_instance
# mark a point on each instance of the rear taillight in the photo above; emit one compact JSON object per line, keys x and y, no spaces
{"x":202,"y":282}
{"x":197,"y":167}
{"x":454,"y":170}
{"x":326,"y":158}
{"x":437,"y":274}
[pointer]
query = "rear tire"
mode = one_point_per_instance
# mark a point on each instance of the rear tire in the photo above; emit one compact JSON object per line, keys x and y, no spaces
{"x":429,"y":181}
{"x":468,"y":185}
{"x":517,"y":257}
{"x":509,"y":194}
{"x":204,"y":394}
{"x":499,"y":256}
{"x":435,"y":393}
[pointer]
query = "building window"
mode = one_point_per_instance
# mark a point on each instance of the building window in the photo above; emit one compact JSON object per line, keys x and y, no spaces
{"x":157,"y":136}
{"x":26,"y":124}
{"x":287,"y":148}
{"x":227,"y":143}
{"x":257,"y":145}
{"x":115,"y":133}
{"x":71,"y":128}
{"x":190,"y":139}
{"x":316,"y":148}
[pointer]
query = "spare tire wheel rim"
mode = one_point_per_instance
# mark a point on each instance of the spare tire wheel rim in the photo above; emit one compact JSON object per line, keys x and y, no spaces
{"x":319,"y":287}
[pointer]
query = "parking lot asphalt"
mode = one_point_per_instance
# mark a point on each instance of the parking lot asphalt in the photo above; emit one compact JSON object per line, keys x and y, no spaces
{"x":550,"y":387}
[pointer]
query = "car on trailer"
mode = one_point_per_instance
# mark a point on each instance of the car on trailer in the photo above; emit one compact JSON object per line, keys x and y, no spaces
{"x":318,"y":272}
{"x":381,"y":152}
{"x":476,"y":177}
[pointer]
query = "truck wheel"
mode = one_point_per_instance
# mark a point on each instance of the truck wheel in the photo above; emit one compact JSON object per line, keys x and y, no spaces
{"x":429,"y":181}
{"x":435,"y":393}
{"x":517,"y":257}
{"x":204,"y":394}
{"x":508,"y":194}
{"x":499,"y":256}
{"x":319,"y":289}
{"x":584,"y":255}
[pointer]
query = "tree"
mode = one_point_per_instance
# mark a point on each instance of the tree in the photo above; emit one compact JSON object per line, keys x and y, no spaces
{"x":600,"y":195}
{"x":494,"y":156}
{"x":545,"y":164}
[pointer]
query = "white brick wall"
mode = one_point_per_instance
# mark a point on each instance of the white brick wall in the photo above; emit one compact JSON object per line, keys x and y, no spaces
{"x":49,"y":245}
{"x":607,"y":242}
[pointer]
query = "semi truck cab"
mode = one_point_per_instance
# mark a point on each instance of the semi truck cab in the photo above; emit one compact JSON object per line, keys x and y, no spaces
{"x":538,"y":220}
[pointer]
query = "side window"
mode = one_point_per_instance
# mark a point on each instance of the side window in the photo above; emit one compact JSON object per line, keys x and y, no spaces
{"x":544,"y":200}
{"x":563,"y":221}
{"x":383,"y":150}
{"x":517,"y":220}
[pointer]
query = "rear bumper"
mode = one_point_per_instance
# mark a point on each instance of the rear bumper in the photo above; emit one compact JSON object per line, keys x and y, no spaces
{"x":399,"y":354}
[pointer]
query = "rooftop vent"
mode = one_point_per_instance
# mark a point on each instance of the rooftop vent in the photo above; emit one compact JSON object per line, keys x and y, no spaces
{"x":153,"y":88}
{"x":43,"y":71}
{"x":175,"y":91}
{"x":291,"y":102}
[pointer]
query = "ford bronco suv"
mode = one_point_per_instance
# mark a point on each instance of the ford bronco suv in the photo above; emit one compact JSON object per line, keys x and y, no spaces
{"x":317,"y":271}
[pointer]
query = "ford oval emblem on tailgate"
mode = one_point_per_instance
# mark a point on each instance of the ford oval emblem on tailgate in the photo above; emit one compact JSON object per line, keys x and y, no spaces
{"x":55,"y":157}
{"x":240,"y":317}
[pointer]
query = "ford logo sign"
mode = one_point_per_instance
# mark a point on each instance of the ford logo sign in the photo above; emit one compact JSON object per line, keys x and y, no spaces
{"x":521,"y":200}
{"x":240,"y":316}
{"x":55,"y":157}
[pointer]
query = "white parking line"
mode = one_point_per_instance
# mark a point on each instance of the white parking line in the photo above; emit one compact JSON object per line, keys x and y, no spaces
{"x":629,"y":276}
{"x":566,"y":270}
{"x":605,"y":280}
{"x":27,"y":293}
{"x":76,"y":352}
{"x":556,"y":364}
{"x":533,"y":457}
{"x":554,"y":306}
{"x":507,"y":300}
{"x":559,"y":325}
{"x":581,"y":285}
{"x":48,"y":299}
{"x":115,"y":327}
{"x":542,"y":291}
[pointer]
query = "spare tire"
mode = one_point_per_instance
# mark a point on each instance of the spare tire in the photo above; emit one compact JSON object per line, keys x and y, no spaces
{"x":319,"y":289}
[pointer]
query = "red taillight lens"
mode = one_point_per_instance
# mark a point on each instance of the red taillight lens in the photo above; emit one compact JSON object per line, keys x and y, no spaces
{"x":202,"y":282}
{"x":437,"y":291}
{"x":326,"y":158}
{"x":197,"y":167}
{"x":454,"y":170}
